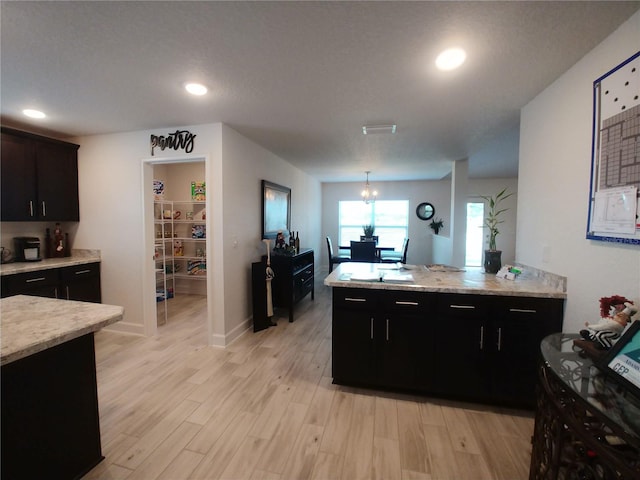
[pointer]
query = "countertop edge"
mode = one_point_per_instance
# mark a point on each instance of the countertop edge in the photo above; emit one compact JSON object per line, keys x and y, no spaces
{"x":78,"y":257}
{"x":434,"y":289}
{"x":110,"y":314}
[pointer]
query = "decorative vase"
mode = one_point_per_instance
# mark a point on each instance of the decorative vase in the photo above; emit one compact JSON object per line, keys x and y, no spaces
{"x":492,"y":261}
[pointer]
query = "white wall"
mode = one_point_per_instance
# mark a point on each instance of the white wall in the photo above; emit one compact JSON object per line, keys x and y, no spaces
{"x":110,"y":177}
{"x":245,"y":164}
{"x":553,"y":187}
{"x":424,"y":246}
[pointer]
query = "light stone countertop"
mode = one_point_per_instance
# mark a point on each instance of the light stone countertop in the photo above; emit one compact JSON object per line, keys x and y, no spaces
{"x":472,"y":281}
{"x":33,"y":324}
{"x":78,"y":257}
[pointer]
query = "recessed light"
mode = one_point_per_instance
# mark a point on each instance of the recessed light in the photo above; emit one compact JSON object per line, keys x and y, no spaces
{"x":33,"y":113}
{"x":451,"y":59}
{"x":195,"y":88}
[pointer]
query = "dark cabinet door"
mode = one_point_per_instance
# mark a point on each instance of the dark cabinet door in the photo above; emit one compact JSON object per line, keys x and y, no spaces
{"x":39,"y":178}
{"x":403,"y":350}
{"x":353,"y":359}
{"x":57,"y":182}
{"x":404,"y":339}
{"x":461,"y":346}
{"x":18,"y":171}
{"x":519,"y":325}
{"x":81,"y":282}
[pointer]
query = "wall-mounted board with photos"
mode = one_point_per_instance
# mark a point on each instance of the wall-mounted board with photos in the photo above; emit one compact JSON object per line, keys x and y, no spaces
{"x":614,"y":205}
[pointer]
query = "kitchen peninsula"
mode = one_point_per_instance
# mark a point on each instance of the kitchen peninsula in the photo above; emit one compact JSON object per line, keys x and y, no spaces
{"x":460,"y":334}
{"x":50,"y":423}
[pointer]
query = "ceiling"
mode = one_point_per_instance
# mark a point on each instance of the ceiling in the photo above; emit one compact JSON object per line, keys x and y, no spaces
{"x":301,"y":78}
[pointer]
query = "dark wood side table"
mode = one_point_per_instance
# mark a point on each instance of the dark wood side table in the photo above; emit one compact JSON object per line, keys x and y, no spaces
{"x":294,"y":278}
{"x":587,"y":426}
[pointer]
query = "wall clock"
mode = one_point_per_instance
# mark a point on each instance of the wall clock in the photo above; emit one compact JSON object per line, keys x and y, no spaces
{"x":425,"y":211}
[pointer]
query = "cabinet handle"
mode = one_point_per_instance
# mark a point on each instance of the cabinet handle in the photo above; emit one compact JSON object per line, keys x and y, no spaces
{"x":522,"y":310}
{"x":371,"y":328}
{"x":468,"y":307}
{"x":39,"y":279}
{"x":387,"y":329}
{"x":399,"y":302}
{"x":67,"y":287}
{"x":499,"y":338}
{"x":482,"y":337}
{"x":351,"y":299}
{"x":55,"y":292}
{"x":31,"y":208}
{"x":44,"y":209}
{"x":82,"y":272}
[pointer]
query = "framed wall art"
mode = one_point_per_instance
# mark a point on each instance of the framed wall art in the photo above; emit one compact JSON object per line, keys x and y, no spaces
{"x":614,"y":204}
{"x":276,"y":209}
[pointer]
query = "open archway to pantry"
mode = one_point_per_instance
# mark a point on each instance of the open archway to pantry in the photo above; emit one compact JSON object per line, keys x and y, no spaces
{"x":179,"y":217}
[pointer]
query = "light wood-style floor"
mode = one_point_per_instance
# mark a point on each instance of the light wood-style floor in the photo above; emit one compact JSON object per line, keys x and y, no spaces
{"x":265,"y":408}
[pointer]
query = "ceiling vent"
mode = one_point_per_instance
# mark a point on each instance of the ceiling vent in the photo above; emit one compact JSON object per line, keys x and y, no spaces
{"x":372,"y":129}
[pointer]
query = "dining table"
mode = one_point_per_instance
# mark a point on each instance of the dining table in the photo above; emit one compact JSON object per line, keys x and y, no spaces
{"x":378,"y":249}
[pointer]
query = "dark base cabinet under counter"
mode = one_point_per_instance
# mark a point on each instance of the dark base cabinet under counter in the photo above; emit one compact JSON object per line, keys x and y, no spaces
{"x":75,"y":282}
{"x":293,"y":280}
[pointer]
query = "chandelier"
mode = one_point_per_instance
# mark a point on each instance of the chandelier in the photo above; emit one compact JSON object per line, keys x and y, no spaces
{"x":368,"y":195}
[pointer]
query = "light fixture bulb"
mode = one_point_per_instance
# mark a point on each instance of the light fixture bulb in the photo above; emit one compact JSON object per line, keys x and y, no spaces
{"x":33,"y":113}
{"x":196,"y":89}
{"x":451,"y":59}
{"x":367,"y":195}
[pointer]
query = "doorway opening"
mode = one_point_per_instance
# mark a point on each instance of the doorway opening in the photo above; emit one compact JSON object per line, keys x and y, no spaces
{"x":175,"y":226}
{"x":474,"y":241}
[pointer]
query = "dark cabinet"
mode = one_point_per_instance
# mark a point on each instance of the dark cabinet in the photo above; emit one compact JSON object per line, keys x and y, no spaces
{"x":463,"y":338}
{"x":41,"y":283}
{"x":78,"y":282}
{"x":381,"y":338}
{"x":488,"y":345}
{"x":81,"y":282}
{"x":293,"y":280}
{"x":476,"y":347}
{"x":39,"y":178}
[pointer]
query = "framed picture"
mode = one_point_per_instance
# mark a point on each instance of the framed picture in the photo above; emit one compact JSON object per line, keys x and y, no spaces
{"x":276,"y":209}
{"x":614,"y":202}
{"x":622,"y":361}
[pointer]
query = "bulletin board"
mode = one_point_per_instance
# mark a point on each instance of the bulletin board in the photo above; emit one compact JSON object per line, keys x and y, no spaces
{"x":614,"y":204}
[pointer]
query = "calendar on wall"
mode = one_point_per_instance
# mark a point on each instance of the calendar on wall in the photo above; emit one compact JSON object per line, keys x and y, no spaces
{"x":614,"y":205}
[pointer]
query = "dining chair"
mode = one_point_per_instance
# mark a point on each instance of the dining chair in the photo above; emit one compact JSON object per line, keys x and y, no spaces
{"x":393,"y":257}
{"x":333,"y":258}
{"x":363,"y":252}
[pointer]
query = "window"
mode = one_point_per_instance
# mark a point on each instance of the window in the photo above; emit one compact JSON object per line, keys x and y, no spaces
{"x":475,"y":231}
{"x":390,"y":217}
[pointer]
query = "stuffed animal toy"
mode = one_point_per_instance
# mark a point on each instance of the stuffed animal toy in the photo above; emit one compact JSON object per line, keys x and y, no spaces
{"x":615,"y":313}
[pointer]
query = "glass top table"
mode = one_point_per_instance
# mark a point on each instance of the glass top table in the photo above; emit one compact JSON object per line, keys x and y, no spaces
{"x":587,"y":425}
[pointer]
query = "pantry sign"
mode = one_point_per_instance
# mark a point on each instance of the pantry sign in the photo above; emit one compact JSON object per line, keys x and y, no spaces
{"x":180,"y":139}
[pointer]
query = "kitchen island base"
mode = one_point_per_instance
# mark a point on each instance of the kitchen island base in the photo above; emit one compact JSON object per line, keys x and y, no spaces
{"x":50,"y":422}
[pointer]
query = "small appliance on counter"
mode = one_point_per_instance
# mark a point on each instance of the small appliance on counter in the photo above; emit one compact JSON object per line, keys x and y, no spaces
{"x":27,"y":249}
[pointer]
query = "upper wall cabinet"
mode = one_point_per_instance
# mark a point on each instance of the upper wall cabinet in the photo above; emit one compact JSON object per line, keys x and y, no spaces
{"x":39,"y":178}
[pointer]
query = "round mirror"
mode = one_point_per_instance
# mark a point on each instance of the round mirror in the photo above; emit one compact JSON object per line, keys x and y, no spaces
{"x":425,"y":211}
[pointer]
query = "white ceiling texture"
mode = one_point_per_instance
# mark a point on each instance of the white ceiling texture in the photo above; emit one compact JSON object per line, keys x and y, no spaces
{"x":301,"y":78}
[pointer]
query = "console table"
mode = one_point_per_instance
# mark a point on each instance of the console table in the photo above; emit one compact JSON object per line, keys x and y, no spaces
{"x":293,"y":278}
{"x":587,"y":425}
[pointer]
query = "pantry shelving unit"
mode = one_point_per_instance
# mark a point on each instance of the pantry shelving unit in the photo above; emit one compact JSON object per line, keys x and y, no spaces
{"x":189,"y":240}
{"x":163,"y":257}
{"x":180,"y":248}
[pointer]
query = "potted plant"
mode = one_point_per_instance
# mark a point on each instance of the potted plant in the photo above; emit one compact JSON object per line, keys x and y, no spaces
{"x":436,"y":224}
{"x":492,"y":256}
{"x":368,"y":230}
